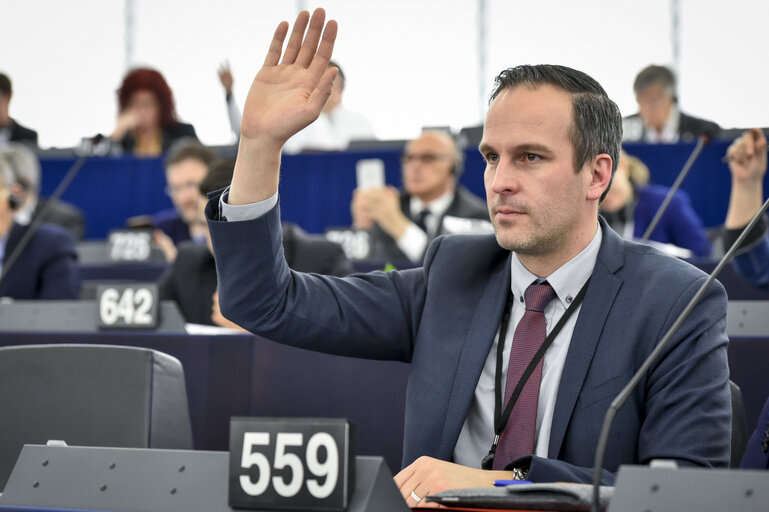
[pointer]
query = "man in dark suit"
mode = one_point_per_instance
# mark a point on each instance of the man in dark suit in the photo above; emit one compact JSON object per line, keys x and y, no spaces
{"x":658,"y":118}
{"x":10,"y":130}
{"x":46,"y":267}
{"x":402,"y":224}
{"x":26,"y":170}
{"x":551,"y":142}
{"x":191,"y":278}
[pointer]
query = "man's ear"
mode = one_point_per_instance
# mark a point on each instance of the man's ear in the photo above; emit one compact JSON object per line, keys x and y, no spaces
{"x":600,"y":176}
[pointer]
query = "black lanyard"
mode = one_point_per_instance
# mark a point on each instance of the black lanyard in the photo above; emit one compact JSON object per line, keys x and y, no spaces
{"x":500,"y":419}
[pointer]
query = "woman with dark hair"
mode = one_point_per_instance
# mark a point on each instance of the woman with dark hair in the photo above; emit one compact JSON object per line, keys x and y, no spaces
{"x":147,"y":123}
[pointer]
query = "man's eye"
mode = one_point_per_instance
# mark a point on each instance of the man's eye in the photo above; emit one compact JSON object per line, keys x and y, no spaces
{"x":492,"y":157}
{"x":531,"y":157}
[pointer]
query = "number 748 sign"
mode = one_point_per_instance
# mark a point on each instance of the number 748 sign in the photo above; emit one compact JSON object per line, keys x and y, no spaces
{"x":291,"y":463}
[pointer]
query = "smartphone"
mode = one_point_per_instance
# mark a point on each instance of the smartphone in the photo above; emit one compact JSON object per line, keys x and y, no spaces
{"x":370,"y":173}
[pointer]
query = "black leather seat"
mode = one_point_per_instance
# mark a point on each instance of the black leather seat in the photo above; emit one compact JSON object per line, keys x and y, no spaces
{"x":739,"y":426}
{"x":90,"y":395}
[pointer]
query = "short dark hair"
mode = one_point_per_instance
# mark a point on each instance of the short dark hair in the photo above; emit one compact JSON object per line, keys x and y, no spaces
{"x":189,"y":148}
{"x":5,"y":84}
{"x":219,"y":176}
{"x":596,"y":120}
{"x":654,"y":74}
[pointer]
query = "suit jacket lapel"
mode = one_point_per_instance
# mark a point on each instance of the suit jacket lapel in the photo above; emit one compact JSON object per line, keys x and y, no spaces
{"x":484,"y":325}
{"x":600,"y":296}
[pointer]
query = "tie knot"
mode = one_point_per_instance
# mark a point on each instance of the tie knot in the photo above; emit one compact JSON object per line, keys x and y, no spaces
{"x":538,"y":296}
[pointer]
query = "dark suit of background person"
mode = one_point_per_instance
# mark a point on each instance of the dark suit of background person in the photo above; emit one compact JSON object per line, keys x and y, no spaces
{"x":190,"y":281}
{"x":10,"y":129}
{"x":19,"y":133}
{"x":431,"y":165}
{"x":464,"y":205}
{"x":655,"y":90}
{"x":47,"y":268}
{"x":26,"y":170}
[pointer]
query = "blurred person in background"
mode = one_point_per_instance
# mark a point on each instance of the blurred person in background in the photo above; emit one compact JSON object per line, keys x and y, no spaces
{"x":10,"y":130}
{"x":147,"y":124}
{"x":335,"y":127}
{"x":747,"y":164}
{"x":658,"y":119}
{"x":233,"y":112}
{"x":186,"y":165}
{"x":46,"y":268}
{"x":191,"y":278}
{"x":26,"y":170}
{"x":402,"y":223}
{"x":631,"y":203}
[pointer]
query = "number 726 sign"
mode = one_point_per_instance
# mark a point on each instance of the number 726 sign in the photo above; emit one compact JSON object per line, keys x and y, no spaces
{"x":291,"y":463}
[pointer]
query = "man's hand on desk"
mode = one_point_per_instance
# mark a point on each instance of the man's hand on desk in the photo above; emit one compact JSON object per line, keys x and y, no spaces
{"x":429,"y":476}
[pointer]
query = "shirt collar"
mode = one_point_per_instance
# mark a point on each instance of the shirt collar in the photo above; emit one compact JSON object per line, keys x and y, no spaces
{"x":669,"y":132}
{"x":567,"y":280}
{"x":436,"y":206}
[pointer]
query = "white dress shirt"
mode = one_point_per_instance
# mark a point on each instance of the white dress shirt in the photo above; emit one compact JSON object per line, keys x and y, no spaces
{"x":478,"y":430}
{"x":331,"y":132}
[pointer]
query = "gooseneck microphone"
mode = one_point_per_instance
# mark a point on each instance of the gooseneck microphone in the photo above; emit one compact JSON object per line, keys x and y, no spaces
{"x":619,"y":401}
{"x":701,"y":142}
{"x":27,"y":237}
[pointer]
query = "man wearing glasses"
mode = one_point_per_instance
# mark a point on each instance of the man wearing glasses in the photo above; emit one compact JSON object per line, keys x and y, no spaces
{"x":402,"y":223}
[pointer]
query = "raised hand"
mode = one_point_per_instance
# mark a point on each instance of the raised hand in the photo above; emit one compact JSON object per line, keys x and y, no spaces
{"x":225,"y":76}
{"x":747,"y":156}
{"x":288,"y":94}
{"x":747,"y":163}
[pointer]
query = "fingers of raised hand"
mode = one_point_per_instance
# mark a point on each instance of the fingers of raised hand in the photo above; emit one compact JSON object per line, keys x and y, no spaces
{"x":310,"y":44}
{"x":295,"y":41}
{"x":273,"y":54}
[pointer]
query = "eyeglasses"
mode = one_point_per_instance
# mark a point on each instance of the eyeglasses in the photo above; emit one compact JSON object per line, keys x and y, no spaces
{"x":173,"y":190}
{"x":425,"y":158}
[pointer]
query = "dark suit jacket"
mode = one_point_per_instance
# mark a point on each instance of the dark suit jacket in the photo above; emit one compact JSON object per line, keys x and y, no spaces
{"x":689,"y":128}
{"x":191,"y":278}
{"x":20,"y":133}
{"x":442,"y":319}
{"x":465,"y":205}
{"x":47,"y":268}
{"x":170,"y":135}
{"x":171,"y":223}
{"x":757,"y":451}
{"x":62,"y":214}
{"x":679,"y":225}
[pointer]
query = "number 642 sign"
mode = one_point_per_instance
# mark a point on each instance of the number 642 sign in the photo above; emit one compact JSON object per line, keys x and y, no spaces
{"x":291,"y":463}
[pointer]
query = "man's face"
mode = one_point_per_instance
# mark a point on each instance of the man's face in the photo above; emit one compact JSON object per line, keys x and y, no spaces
{"x":183,"y":179}
{"x":427,"y":166}
{"x":537,"y":202}
{"x":146,"y":108}
{"x":654,"y":104}
{"x":5,"y":100}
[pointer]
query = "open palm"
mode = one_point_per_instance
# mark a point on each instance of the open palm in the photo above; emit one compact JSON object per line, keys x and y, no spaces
{"x":288,"y":94}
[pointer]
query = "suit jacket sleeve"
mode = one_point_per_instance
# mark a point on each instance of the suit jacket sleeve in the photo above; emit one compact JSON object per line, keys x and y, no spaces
{"x":335,"y":315}
{"x":59,"y":276}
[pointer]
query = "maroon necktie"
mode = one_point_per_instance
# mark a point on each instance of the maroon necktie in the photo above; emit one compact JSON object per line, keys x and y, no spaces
{"x":517,"y":439}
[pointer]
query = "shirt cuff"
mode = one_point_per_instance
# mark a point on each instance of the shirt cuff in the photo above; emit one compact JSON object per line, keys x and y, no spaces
{"x":237,"y":213}
{"x":413,"y":243}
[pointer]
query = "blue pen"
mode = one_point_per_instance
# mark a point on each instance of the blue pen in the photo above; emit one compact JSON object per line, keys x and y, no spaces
{"x":503,"y":483}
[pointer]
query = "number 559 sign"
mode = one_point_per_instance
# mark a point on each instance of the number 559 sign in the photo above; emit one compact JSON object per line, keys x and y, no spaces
{"x":291,"y":463}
